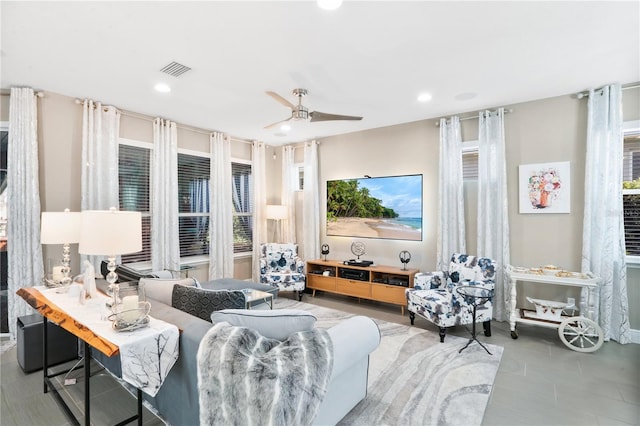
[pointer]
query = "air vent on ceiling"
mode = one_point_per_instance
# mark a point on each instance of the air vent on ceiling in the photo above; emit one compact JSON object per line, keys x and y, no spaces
{"x":175,"y":69}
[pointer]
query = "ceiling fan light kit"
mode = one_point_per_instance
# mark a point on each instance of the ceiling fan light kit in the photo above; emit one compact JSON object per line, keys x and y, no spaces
{"x":300,"y":112}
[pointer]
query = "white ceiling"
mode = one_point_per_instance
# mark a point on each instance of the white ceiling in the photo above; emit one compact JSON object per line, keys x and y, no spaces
{"x":366,"y":58}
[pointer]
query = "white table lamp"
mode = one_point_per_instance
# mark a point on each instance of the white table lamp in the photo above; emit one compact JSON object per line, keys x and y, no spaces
{"x":61,"y":228}
{"x":110,"y":233}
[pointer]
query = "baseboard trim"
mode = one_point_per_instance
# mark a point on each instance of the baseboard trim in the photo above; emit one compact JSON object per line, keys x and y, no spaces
{"x":635,"y":336}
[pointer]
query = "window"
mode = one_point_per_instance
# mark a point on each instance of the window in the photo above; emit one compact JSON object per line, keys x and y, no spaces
{"x":631,"y":192}
{"x":470,"y":160}
{"x":193,"y":204}
{"x":134,"y":186}
{"x":242,"y":207}
{"x":299,"y":170}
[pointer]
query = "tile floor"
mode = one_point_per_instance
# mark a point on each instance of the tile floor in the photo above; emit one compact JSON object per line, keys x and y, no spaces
{"x":539,"y":382}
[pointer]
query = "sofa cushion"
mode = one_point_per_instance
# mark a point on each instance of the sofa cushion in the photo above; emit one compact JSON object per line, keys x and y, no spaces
{"x":201,"y":303}
{"x":277,"y":324}
{"x":161,"y":289}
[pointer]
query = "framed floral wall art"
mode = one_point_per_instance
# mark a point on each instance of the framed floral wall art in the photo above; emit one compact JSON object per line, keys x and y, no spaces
{"x":545,"y":187}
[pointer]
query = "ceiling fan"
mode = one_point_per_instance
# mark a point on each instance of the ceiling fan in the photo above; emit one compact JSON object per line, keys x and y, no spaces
{"x":300,"y":112}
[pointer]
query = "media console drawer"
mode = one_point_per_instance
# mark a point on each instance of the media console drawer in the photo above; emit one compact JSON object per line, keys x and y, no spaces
{"x":388,"y":293}
{"x":353,"y":287}
{"x":321,"y":282}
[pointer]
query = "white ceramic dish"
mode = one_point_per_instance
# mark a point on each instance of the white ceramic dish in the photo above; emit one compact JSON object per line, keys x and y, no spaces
{"x":548,"y":309}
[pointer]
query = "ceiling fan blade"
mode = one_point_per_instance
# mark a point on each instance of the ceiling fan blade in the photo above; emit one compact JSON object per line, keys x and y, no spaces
{"x":280,"y":99}
{"x":323,"y":116}
{"x":270,"y":126}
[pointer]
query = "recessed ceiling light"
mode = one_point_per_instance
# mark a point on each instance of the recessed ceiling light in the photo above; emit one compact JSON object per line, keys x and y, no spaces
{"x":329,"y":4}
{"x":465,"y":96}
{"x":285,"y":127}
{"x":162,"y":88}
{"x":424,"y":97}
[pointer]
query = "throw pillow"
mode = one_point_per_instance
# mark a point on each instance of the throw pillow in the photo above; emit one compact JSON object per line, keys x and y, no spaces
{"x":277,"y":324}
{"x":161,"y":289}
{"x":201,"y":303}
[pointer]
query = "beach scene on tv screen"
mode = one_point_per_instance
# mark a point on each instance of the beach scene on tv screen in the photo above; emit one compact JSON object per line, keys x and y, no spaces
{"x":381,"y":207}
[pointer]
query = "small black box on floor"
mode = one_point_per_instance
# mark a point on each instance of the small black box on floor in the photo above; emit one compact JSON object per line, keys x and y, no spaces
{"x":62,"y":345}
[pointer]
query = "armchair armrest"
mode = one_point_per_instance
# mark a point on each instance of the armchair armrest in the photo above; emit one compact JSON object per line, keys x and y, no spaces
{"x":430,"y":280}
{"x":299,"y":265}
{"x":353,"y":339}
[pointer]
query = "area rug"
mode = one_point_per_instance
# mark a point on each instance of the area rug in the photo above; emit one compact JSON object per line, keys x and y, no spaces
{"x":414,"y":379}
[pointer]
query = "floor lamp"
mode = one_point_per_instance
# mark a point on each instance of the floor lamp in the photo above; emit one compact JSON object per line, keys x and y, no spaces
{"x":276,"y":213}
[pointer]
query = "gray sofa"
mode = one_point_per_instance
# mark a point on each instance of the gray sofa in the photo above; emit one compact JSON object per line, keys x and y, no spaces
{"x":177,"y":400}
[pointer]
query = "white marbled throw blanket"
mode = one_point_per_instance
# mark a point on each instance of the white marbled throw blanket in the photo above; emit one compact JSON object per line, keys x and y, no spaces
{"x":247,"y":379}
{"x":414,"y":379}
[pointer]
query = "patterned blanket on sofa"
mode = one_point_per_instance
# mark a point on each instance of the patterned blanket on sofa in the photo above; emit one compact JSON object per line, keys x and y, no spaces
{"x":245,"y":378}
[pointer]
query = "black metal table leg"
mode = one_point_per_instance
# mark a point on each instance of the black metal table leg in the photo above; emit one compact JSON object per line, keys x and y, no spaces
{"x":45,"y":359}
{"x":87,"y":376}
{"x":473,"y":334}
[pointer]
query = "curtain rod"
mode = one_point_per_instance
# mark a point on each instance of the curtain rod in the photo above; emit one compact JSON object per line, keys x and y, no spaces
{"x":472,"y":117}
{"x":39,"y":94}
{"x":585,"y":93}
{"x":179,"y":126}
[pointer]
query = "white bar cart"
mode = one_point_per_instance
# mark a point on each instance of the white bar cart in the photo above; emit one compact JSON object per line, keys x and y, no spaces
{"x":579,"y":333}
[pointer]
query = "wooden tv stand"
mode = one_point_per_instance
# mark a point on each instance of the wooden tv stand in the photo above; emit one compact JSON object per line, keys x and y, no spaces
{"x":377,"y":282}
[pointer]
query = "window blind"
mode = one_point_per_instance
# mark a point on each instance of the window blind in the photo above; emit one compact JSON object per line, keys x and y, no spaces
{"x":193,"y":204}
{"x":470,"y":165}
{"x":134,"y":185}
{"x":631,"y":204}
{"x":242,"y":207}
{"x":631,"y":159}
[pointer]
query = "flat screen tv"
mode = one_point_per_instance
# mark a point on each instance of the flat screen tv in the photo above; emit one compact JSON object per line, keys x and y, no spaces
{"x":388,"y":207}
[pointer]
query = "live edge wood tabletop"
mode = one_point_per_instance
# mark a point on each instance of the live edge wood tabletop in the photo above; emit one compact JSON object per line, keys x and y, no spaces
{"x":376,"y":282}
{"x":58,"y":316}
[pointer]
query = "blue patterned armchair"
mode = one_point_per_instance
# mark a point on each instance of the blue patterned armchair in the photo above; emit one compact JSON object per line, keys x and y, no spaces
{"x":281,"y":267}
{"x":434,"y":296}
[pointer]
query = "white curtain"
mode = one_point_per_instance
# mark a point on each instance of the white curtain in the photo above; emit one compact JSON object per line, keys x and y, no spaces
{"x":603,"y":246}
{"x":311,"y":206}
{"x":221,"y":214}
{"x":288,"y":195}
{"x":493,"y":215}
{"x":25,"y":267}
{"x":259,"y":204}
{"x":99,"y":181}
{"x":165,"y":245}
{"x":451,"y":236}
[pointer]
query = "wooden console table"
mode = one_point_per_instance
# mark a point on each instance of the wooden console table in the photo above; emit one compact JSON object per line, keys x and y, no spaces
{"x":377,"y":282}
{"x":92,"y":339}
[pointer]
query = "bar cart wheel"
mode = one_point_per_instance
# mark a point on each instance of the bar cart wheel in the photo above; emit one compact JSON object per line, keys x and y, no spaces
{"x":580,"y":334}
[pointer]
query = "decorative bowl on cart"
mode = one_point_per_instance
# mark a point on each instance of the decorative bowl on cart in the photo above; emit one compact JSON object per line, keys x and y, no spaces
{"x":548,"y":309}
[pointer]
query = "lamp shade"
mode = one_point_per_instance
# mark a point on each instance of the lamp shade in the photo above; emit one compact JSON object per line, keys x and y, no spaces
{"x":110,"y":232}
{"x":60,"y":227}
{"x":277,"y":212}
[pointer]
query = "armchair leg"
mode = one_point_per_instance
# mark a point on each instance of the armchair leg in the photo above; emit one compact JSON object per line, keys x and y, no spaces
{"x":412,"y":317}
{"x":443,"y":331}
{"x":299,"y":295}
{"x":487,"y":328}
